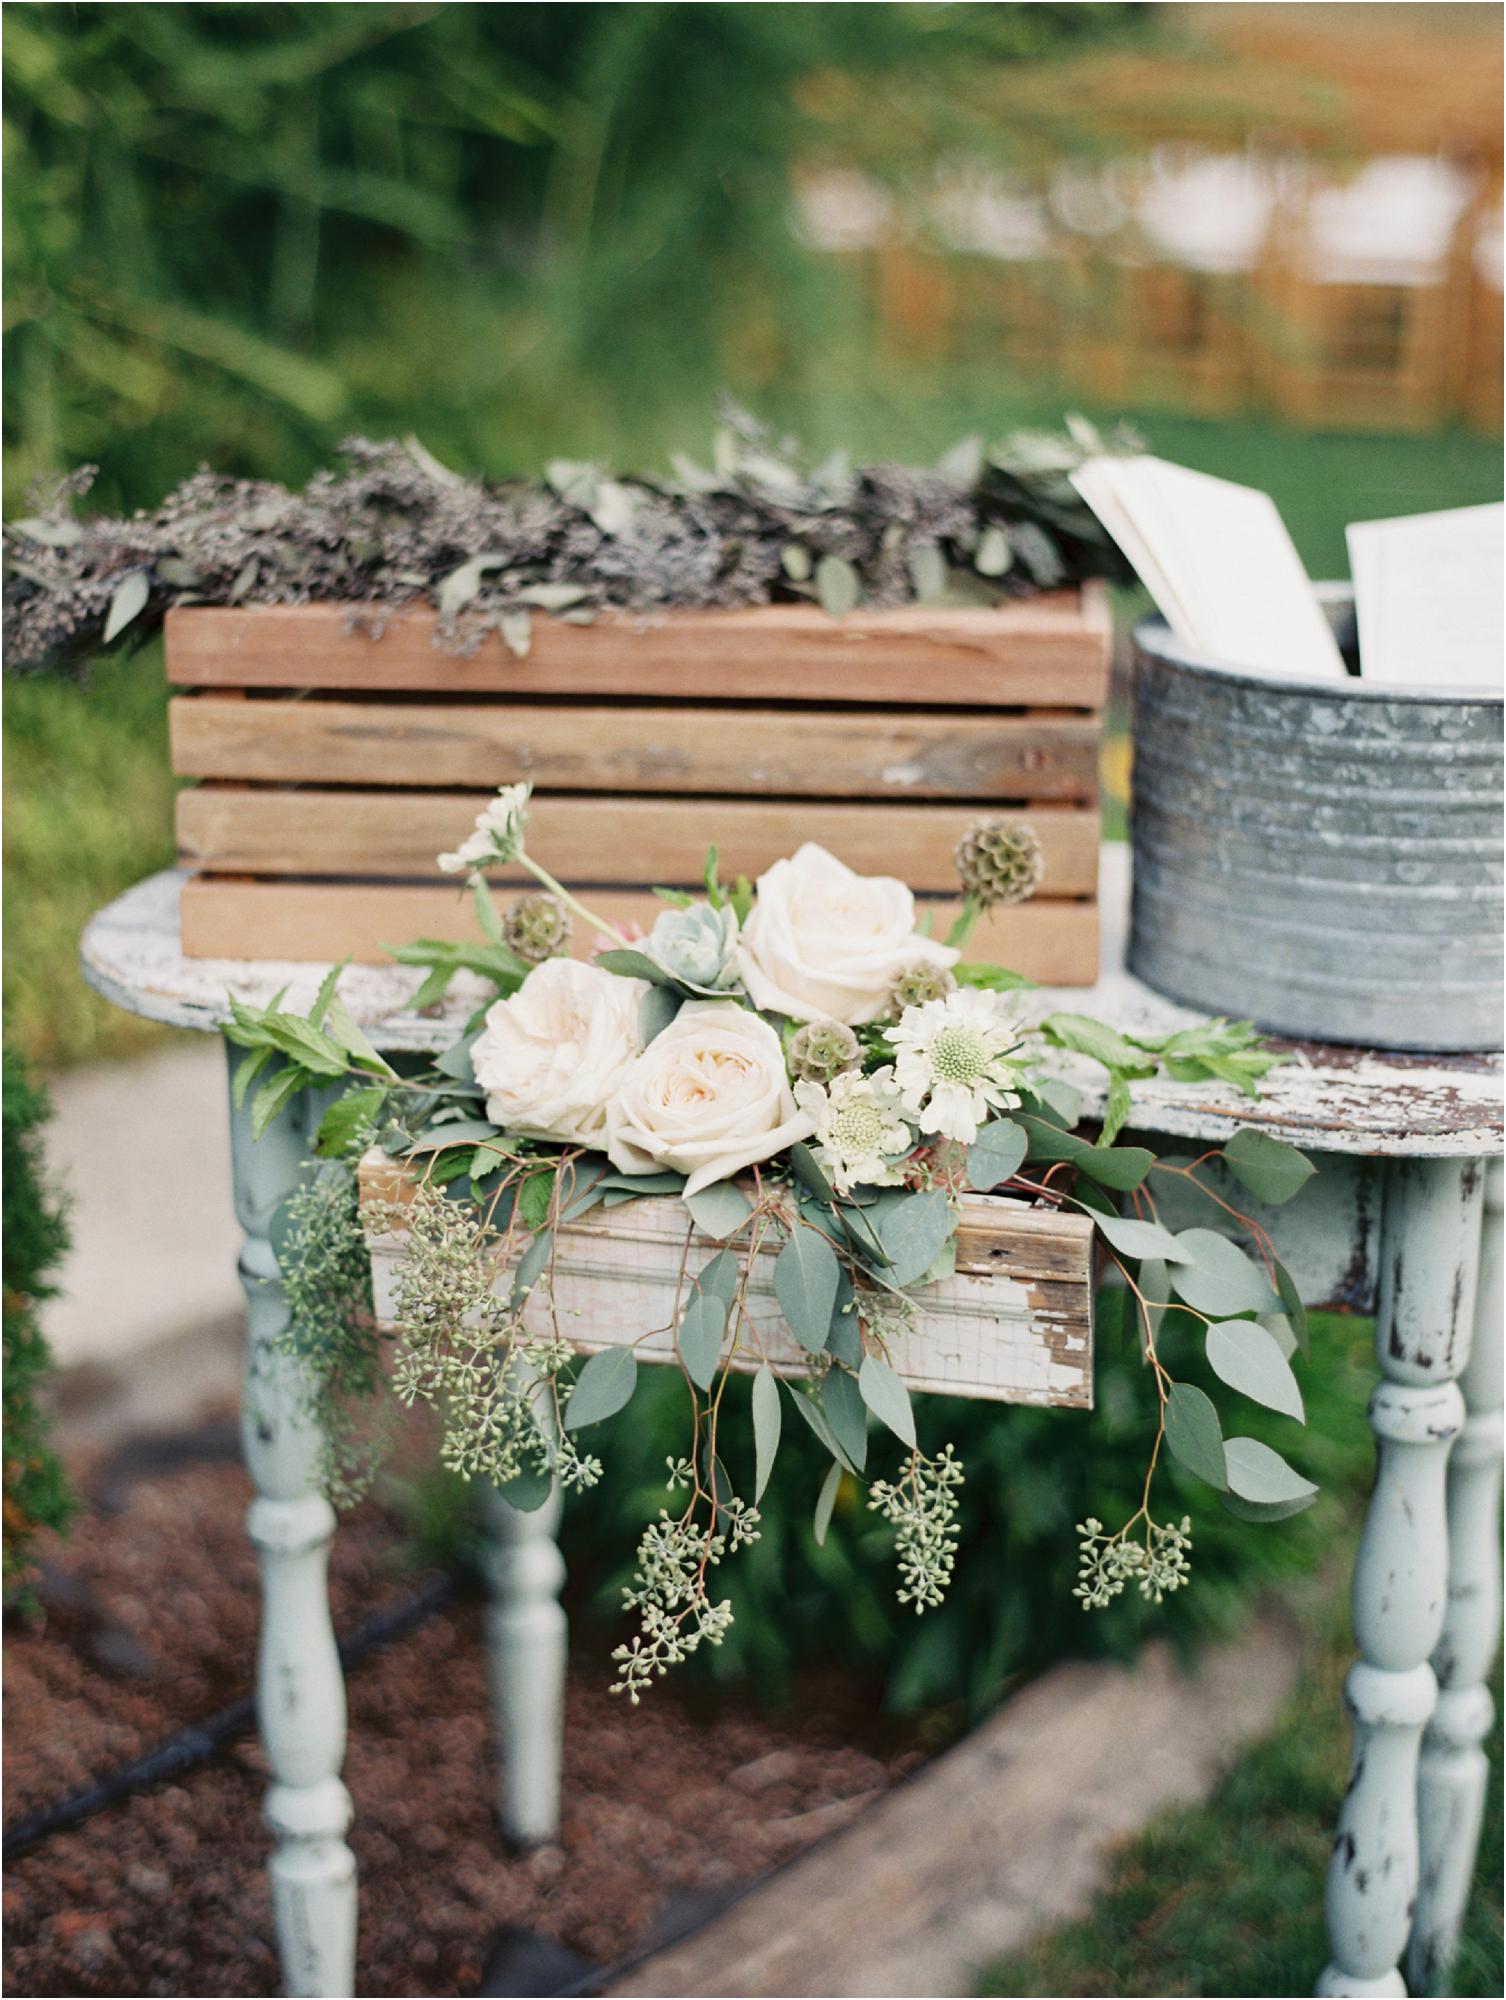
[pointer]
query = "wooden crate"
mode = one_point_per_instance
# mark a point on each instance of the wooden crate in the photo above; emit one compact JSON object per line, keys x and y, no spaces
{"x":334,"y":766}
{"x":1014,"y":1325}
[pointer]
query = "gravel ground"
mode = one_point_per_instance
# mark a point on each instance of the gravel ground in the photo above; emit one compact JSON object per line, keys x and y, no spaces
{"x":150,"y":1623}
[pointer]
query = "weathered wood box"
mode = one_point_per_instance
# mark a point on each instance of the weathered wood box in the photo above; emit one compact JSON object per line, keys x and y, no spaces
{"x":335,"y":766}
{"x":1014,"y":1325}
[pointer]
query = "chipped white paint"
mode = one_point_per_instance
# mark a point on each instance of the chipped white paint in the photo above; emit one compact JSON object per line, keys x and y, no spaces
{"x":1453,"y":1774}
{"x":1429,"y":1255}
{"x":1330,"y":1100}
{"x":981,"y":1333}
{"x":300,"y":1693}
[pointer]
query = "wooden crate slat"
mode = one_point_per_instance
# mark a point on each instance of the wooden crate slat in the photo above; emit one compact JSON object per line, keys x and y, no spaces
{"x":1054,"y":943}
{"x":642,"y":748}
{"x":1051,"y":650}
{"x":998,"y":1329}
{"x":230,"y":830}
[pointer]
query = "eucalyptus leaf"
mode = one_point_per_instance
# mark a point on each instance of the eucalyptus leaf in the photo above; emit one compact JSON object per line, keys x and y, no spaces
{"x":1272,"y":1170}
{"x":1242,"y":1353}
{"x":1218,"y":1278}
{"x":703,"y":1327}
{"x":532,"y":1262}
{"x":633,"y":965}
{"x":604,"y":1386}
{"x":527,"y":1490}
{"x":1117,"y":1167}
{"x":1193,"y":1434}
{"x":806,"y":1276}
{"x":1133,"y":1238}
{"x":656,"y":1010}
{"x":1291,"y":1303}
{"x":813,"y":1415}
{"x":127,"y":601}
{"x":912,"y":1230}
{"x":847,"y":1413}
{"x":826,"y":1500}
{"x":720,"y":1210}
{"x":887,"y":1397}
{"x":996,"y":1154}
{"x":720,"y":1275}
{"x":767,"y":1422}
{"x":1262,"y":1476}
{"x":836,"y":586}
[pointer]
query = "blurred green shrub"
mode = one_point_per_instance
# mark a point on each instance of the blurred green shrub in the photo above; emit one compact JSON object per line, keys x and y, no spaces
{"x":1031,"y":1476}
{"x":239,"y":232}
{"x":35,"y":1236}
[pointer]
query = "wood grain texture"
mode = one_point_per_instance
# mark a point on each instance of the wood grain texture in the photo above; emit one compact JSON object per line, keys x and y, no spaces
{"x":231,"y":830}
{"x":998,"y":1329}
{"x":1054,"y":943}
{"x":851,"y":753}
{"x":1051,"y":650}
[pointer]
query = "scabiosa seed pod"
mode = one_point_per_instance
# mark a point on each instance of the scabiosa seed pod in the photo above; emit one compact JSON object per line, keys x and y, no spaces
{"x":918,"y":983}
{"x":999,"y":861}
{"x":821,"y":1050}
{"x":537,"y":926}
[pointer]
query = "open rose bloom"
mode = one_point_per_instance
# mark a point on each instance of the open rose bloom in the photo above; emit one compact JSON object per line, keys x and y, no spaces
{"x":823,"y":943}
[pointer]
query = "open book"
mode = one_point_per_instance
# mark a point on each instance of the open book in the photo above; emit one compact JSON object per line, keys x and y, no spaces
{"x":1224,"y":573}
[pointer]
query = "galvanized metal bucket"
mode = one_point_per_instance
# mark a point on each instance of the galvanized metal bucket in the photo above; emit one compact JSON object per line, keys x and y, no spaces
{"x":1323,"y":857}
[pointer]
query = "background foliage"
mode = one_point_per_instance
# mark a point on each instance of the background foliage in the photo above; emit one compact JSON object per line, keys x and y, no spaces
{"x":35,"y":1237}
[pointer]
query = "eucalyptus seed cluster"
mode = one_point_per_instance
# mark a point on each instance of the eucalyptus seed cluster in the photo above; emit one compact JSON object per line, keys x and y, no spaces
{"x":999,"y":861}
{"x":822,"y":1050}
{"x":331,"y":1329}
{"x":465,"y":1351}
{"x":676,"y":1613}
{"x":1156,"y":1566}
{"x":923,"y":1507}
{"x":536,"y":927}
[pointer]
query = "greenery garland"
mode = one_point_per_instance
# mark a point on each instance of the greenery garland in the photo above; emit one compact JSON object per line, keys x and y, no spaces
{"x":931,"y":1087}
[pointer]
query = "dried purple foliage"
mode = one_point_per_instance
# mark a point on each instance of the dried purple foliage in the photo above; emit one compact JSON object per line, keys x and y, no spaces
{"x":391,"y":525}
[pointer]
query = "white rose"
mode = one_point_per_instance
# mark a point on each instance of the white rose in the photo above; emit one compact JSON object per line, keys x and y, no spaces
{"x":551,"y":1057}
{"x":825,"y":944}
{"x":706,"y":1098}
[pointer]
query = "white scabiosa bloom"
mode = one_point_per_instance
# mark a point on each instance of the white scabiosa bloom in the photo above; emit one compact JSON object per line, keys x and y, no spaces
{"x":497,"y":835}
{"x":861,"y":1134}
{"x":952,"y":1062}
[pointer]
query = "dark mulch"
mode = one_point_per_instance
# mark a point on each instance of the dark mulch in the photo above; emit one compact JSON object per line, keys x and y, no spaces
{"x":150,"y":1624}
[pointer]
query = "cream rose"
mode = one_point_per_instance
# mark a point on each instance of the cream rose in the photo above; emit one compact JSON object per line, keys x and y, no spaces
{"x":825,"y":944}
{"x":551,"y":1056}
{"x":706,"y":1098}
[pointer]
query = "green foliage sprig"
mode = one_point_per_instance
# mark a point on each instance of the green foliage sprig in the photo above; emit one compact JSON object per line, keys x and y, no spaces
{"x":36,"y":1492}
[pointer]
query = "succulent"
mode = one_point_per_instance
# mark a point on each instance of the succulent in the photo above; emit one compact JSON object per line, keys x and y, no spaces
{"x":695,"y":945}
{"x":918,"y":983}
{"x":999,"y":861}
{"x":537,"y":926}
{"x":821,"y":1050}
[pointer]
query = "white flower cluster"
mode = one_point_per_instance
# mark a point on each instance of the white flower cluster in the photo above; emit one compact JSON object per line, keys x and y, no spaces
{"x":496,"y":836}
{"x":710,"y":1094}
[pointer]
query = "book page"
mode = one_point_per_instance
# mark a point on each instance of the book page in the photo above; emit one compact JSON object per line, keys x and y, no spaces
{"x":1428,"y":595}
{"x":1218,"y":561}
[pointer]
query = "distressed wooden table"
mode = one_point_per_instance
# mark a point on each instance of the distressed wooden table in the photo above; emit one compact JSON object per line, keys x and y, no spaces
{"x":1404,"y":1220}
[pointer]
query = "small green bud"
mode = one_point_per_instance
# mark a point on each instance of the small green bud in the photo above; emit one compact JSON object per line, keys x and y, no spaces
{"x":918,"y":983}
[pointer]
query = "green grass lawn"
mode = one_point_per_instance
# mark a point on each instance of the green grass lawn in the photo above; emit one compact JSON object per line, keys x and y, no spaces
{"x":88,"y":793}
{"x":1227,"y":1897}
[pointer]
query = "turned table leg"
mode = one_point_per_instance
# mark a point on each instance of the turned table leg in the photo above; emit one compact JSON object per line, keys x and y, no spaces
{"x":300,"y":1691}
{"x":1430,"y":1246}
{"x":526,"y":1640}
{"x":1453,"y":1770}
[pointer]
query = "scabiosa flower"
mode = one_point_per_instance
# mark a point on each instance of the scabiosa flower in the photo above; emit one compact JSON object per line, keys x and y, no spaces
{"x":999,"y":861}
{"x":861,"y":1134}
{"x":497,"y":836}
{"x":918,"y":983}
{"x":821,"y":1050}
{"x":952,"y":1062}
{"x":537,"y":926}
